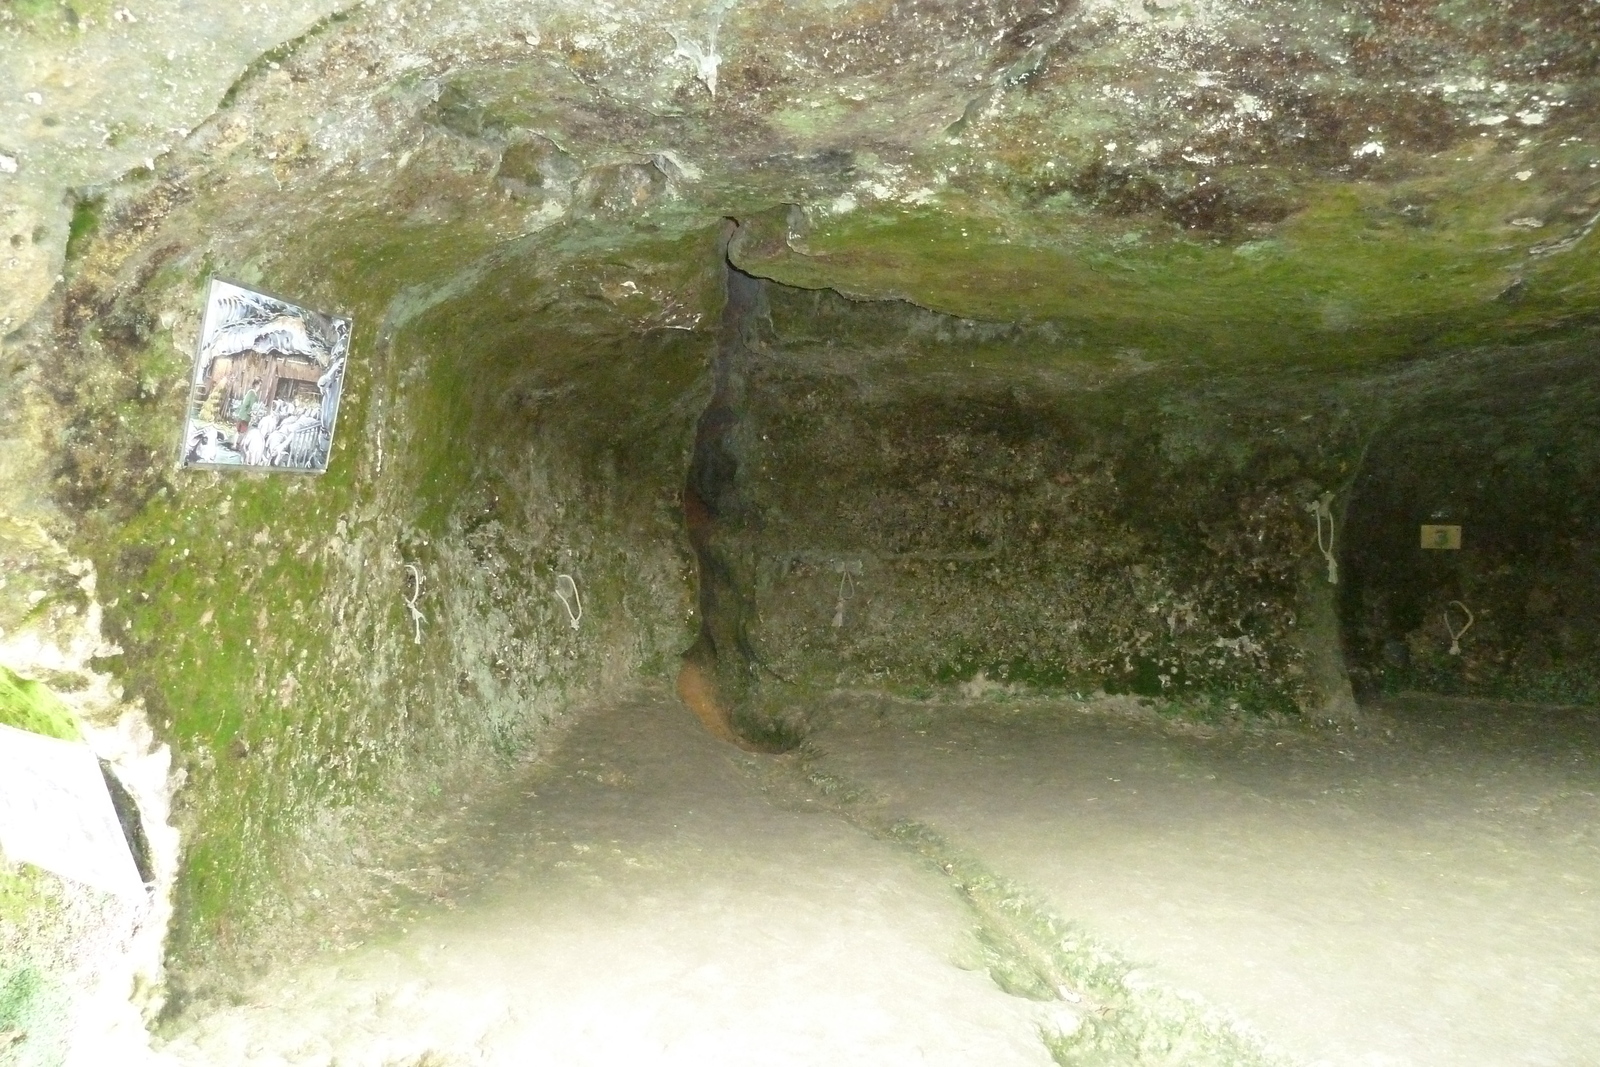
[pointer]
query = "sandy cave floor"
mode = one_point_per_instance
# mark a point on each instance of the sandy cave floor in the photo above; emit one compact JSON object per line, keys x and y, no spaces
{"x":1421,"y":894}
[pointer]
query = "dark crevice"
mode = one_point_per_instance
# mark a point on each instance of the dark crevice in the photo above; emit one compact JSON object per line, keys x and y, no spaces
{"x":132,"y":823}
{"x":718,"y":680}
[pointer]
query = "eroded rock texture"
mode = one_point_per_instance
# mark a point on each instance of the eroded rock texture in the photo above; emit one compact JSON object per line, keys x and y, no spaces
{"x":1050,"y":320}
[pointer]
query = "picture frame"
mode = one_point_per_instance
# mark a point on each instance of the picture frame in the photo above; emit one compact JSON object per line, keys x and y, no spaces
{"x":266,"y":386}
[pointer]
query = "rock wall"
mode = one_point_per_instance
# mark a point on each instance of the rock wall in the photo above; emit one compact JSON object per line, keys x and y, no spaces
{"x":1507,"y":451}
{"x":920,"y":513}
{"x":500,"y":428}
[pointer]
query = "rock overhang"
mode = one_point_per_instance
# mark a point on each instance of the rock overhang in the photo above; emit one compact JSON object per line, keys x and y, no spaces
{"x":1332,"y":183}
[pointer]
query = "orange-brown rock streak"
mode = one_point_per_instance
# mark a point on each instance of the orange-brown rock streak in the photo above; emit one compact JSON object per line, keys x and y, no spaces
{"x":717,"y":670}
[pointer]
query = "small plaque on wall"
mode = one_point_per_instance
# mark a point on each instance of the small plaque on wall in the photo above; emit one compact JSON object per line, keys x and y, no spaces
{"x":1441,"y":537}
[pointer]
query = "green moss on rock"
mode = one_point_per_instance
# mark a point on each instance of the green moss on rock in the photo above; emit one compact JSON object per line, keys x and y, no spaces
{"x":29,"y":705}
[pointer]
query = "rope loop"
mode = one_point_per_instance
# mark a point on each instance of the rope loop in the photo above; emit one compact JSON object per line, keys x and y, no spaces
{"x":1322,"y":510}
{"x":1457,"y":635}
{"x":845,"y":583}
{"x":564,"y":583}
{"x":417,"y":618}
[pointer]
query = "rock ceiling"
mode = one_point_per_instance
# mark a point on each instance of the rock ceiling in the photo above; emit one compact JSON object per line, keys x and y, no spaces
{"x":1234,"y":180}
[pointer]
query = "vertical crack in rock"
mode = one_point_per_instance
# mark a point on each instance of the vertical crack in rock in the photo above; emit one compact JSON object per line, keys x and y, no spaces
{"x":132,"y":823}
{"x":718,"y":680}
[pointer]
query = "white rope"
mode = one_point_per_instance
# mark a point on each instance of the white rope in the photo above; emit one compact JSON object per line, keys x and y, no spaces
{"x":1322,"y":510}
{"x":411,"y":602}
{"x":563,"y":583}
{"x":845,"y":582}
{"x":1456,"y":635}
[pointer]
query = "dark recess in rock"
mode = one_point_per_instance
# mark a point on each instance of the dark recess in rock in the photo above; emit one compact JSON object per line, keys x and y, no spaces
{"x":127,"y":810}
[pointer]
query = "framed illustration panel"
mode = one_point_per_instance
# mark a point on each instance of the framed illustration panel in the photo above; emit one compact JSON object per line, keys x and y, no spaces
{"x":268,"y":375}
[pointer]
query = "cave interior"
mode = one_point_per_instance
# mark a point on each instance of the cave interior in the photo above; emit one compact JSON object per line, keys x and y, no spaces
{"x":938,"y":414}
